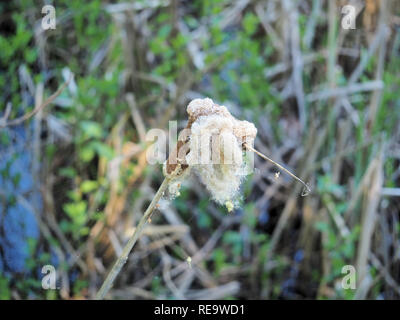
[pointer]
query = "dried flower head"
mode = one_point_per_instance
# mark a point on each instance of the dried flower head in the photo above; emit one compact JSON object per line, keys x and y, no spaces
{"x":212,"y":146}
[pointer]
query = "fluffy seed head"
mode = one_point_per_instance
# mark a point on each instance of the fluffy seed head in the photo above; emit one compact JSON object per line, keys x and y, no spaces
{"x":211,"y":146}
{"x":215,"y":148}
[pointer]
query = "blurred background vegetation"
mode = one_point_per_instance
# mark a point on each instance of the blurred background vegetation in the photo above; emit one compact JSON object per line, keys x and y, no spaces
{"x":74,"y":179}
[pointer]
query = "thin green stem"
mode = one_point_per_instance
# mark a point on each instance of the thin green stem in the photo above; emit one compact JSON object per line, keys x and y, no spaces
{"x":108,"y":282}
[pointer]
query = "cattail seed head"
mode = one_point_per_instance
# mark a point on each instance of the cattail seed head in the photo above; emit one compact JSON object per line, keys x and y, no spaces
{"x":213,"y":148}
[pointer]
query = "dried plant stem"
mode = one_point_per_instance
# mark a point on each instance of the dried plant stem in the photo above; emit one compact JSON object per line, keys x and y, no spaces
{"x":128,"y":247}
{"x":15,"y":122}
{"x":307,"y":188}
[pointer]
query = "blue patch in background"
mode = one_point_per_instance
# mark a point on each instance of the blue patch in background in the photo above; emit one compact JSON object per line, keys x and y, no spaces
{"x":17,"y":221}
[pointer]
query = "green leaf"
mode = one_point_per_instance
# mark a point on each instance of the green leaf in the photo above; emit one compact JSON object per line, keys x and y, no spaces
{"x":67,"y":172}
{"x":103,"y":150}
{"x":322,"y":226}
{"x":250,"y":23}
{"x":86,"y":154}
{"x":77,"y":212}
{"x":91,"y":129}
{"x":88,"y":186}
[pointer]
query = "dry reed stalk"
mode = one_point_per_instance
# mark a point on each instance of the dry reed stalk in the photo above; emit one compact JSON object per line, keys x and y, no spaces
{"x":123,"y":258}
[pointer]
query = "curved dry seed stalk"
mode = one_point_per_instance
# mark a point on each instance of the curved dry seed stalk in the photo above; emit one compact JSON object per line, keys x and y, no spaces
{"x":306,"y":190}
{"x":26,"y":116}
{"x":222,"y":180}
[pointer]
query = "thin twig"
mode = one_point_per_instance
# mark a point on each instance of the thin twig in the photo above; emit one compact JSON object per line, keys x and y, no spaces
{"x":136,"y":117}
{"x":307,"y":187}
{"x":3,"y":120}
{"x":345,"y":90}
{"x":35,"y":110}
{"x":128,"y":247}
{"x":297,"y":63}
